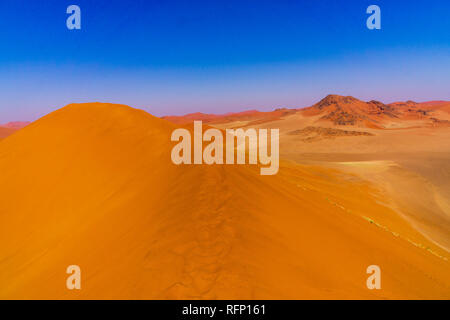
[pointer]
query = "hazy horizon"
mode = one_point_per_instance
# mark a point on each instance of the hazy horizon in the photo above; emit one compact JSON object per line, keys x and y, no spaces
{"x":172,"y":58}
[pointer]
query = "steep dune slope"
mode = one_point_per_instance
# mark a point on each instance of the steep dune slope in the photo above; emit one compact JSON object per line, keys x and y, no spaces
{"x":94,"y":185}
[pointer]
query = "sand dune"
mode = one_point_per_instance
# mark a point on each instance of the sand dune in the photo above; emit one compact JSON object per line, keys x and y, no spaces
{"x":93,"y":185}
{"x":416,"y":198}
{"x":209,"y":118}
{"x":15,"y":124}
{"x":11,"y":127}
{"x":4,"y":132}
{"x":249,"y":117}
{"x":406,"y":156}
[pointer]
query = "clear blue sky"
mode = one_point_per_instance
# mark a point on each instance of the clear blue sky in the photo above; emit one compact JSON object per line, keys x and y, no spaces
{"x":175,"y":57}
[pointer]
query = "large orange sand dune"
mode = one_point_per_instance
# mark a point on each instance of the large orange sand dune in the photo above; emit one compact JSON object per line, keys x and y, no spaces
{"x":93,"y":185}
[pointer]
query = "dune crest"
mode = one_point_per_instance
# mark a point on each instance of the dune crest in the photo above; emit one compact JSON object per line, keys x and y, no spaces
{"x":93,"y":185}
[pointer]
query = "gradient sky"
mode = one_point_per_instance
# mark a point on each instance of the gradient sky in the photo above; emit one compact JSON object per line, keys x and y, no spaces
{"x":176,"y":57}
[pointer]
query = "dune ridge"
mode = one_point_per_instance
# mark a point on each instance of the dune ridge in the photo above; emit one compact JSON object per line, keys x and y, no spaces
{"x":93,"y":185}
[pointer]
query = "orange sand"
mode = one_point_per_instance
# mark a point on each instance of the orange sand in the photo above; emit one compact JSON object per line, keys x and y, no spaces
{"x":94,"y":185}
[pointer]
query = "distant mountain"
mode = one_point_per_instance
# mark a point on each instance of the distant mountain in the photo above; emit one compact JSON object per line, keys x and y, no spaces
{"x":9,"y":128}
{"x":340,"y":111}
{"x":208,"y":118}
{"x":347,"y":110}
{"x":15,"y":124}
{"x":4,"y":132}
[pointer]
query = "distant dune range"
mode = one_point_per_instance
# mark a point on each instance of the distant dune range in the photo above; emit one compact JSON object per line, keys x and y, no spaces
{"x":4,"y":132}
{"x":339,"y":110}
{"x":11,"y":127}
{"x":93,"y":185}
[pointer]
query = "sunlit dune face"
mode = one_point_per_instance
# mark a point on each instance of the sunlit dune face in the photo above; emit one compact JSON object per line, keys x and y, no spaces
{"x":93,"y":185}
